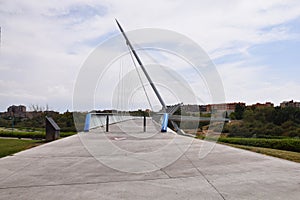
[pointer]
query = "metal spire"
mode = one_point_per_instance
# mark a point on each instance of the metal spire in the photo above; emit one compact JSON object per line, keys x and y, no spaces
{"x":142,"y":66}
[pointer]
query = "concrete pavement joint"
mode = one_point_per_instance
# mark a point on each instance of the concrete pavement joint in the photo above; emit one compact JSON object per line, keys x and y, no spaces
{"x":205,"y":178}
{"x":165,"y":172}
{"x":183,"y":154}
{"x":92,"y":183}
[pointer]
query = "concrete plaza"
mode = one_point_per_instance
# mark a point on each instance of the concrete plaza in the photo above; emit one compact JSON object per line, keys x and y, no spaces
{"x":137,"y":165}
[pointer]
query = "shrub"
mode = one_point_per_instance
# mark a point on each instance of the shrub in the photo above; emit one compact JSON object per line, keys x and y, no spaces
{"x":288,"y":144}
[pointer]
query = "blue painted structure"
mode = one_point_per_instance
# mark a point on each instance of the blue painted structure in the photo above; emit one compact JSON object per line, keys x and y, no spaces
{"x":164,"y":125}
{"x":87,"y":122}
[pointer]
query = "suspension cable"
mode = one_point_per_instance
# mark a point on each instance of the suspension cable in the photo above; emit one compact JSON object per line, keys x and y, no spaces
{"x":119,"y":100}
{"x":139,"y":75}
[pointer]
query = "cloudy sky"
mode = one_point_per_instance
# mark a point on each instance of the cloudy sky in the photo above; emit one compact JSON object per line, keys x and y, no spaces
{"x":254,"y":44}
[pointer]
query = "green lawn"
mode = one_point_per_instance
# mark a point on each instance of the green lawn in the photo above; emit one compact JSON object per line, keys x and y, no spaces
{"x":11,"y":146}
{"x":286,"y":148}
{"x":288,"y":155}
{"x":286,"y":144}
{"x":29,"y":134}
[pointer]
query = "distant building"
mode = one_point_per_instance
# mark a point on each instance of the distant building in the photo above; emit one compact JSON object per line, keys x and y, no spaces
{"x":33,"y":114}
{"x":16,"y":111}
{"x":20,"y":112}
{"x":212,"y":107}
{"x":190,"y":108}
{"x":203,"y":108}
{"x":263,"y":105}
{"x":291,"y":103}
{"x":229,"y":107}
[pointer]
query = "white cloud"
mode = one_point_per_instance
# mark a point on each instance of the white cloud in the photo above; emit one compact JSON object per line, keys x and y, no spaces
{"x":252,"y":84}
{"x":44,"y":43}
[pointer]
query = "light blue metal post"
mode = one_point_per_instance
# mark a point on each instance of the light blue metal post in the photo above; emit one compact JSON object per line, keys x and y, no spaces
{"x":164,"y":125}
{"x":87,"y":122}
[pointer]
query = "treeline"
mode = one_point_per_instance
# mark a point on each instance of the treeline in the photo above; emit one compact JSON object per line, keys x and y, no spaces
{"x":264,"y":122}
{"x":64,"y":121}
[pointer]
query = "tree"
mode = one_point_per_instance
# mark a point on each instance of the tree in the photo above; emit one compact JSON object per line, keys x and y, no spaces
{"x":248,"y":115}
{"x":232,"y":116}
{"x":239,"y":111}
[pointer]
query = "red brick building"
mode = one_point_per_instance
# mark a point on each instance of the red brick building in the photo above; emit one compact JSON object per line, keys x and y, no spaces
{"x":263,"y":105}
{"x":291,"y":103}
{"x":230,"y":107}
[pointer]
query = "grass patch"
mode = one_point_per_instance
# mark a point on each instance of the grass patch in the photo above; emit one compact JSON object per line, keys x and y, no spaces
{"x":21,"y":134}
{"x":288,"y":155}
{"x":66,"y":134}
{"x":285,"y":148}
{"x":11,"y":146}
{"x":290,"y":144}
{"x":30,"y":134}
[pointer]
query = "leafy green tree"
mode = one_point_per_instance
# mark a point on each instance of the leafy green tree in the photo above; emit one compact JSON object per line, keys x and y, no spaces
{"x":232,"y":116}
{"x":239,"y":111}
{"x":249,"y":115}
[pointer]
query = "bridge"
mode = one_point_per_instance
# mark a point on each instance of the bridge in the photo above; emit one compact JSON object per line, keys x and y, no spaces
{"x":118,"y":158}
{"x":68,"y":169}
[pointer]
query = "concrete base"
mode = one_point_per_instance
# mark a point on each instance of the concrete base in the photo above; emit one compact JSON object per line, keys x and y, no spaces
{"x":65,"y":169}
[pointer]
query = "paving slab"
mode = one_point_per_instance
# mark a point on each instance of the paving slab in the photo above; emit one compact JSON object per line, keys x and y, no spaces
{"x":127,"y":163}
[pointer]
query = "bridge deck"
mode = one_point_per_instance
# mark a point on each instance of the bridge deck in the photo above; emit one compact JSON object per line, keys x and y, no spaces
{"x":66,"y":169}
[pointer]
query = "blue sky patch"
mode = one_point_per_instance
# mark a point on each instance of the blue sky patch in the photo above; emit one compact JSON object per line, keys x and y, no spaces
{"x":82,"y":13}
